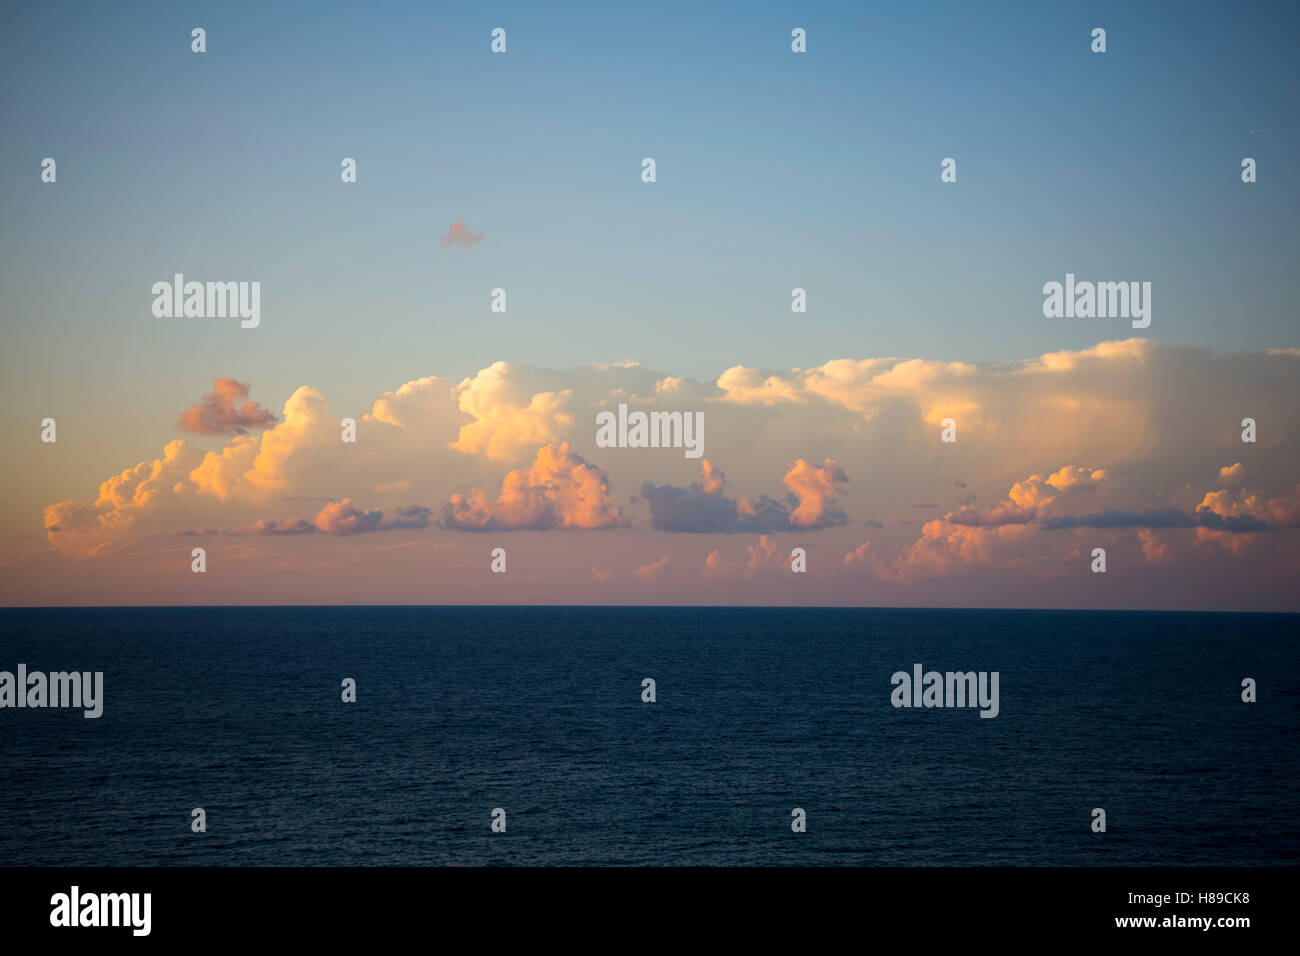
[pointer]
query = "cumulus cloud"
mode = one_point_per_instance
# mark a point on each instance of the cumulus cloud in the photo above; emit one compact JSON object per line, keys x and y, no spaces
{"x":220,"y":412}
{"x":702,"y":507}
{"x":1232,"y":474}
{"x":1253,"y":507}
{"x":1148,"y":430}
{"x":1153,"y":549}
{"x":105,"y":524}
{"x":255,"y":469}
{"x":507,"y":414}
{"x":1008,"y":533}
{"x":560,"y":490}
{"x":337,"y":518}
{"x":342,"y":517}
{"x":760,"y":558}
{"x":858,"y":555}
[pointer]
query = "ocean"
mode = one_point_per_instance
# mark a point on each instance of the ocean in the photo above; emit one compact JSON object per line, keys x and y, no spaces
{"x":538,"y":711}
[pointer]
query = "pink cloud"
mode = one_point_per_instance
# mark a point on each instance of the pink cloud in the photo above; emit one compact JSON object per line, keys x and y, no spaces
{"x":858,"y":555}
{"x":219,"y":412}
{"x":457,"y":234}
{"x":816,"y":487}
{"x":651,"y":571}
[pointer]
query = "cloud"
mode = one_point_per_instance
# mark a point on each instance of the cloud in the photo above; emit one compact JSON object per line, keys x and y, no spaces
{"x":1153,"y":549}
{"x":560,"y":490}
{"x":760,"y":559}
{"x":1252,"y":507}
{"x":457,"y":233}
{"x":716,"y":566}
{"x":342,"y":517}
{"x":1233,"y":474}
{"x":219,"y":412}
{"x":858,"y":555}
{"x":816,"y":487}
{"x":651,"y":571}
{"x":83,"y":530}
{"x":1147,"y":429}
{"x":1003,"y":514}
{"x":1039,"y":504}
{"x":764,"y":556}
{"x":256,"y":469}
{"x":507,"y":414}
{"x":271,"y":527}
{"x":702,"y":507}
{"x":945,"y":549}
{"x":336,"y":518}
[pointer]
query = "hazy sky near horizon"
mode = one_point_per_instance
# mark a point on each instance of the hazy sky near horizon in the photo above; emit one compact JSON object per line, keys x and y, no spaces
{"x":774,"y":170}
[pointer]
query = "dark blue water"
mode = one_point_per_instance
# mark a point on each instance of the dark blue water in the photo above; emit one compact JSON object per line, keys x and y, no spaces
{"x":538,"y":711}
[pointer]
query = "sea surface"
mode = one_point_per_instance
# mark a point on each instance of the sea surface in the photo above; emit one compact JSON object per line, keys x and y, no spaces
{"x":538,"y":711}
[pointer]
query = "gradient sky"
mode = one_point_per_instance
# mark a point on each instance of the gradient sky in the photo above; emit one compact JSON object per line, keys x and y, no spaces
{"x":775,"y":170}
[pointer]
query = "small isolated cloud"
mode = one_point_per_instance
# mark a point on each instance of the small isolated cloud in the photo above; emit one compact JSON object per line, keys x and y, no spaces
{"x":273,"y":527}
{"x":702,"y":507}
{"x":220,"y":412}
{"x":1005,"y":513}
{"x":873,"y":523}
{"x":761,"y":557}
{"x":716,"y":566}
{"x":1153,"y":549}
{"x":458,"y":233}
{"x":560,"y":490}
{"x":651,"y":571}
{"x":337,"y":517}
{"x":601,"y":574}
{"x":858,"y":555}
{"x":341,"y":517}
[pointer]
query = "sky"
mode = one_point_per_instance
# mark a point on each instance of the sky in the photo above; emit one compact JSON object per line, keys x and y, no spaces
{"x":775,"y":170}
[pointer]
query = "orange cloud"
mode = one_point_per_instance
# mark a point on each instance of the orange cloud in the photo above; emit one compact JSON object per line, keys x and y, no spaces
{"x":82,"y":530}
{"x":858,"y":555}
{"x":560,"y":490}
{"x":651,"y":571}
{"x":817,"y":487}
{"x":256,"y":468}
